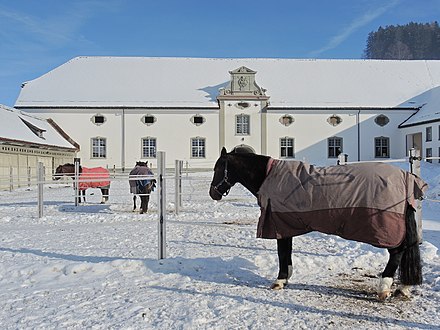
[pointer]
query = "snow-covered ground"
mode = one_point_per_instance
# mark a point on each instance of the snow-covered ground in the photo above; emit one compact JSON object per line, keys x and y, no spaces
{"x":96,"y":267}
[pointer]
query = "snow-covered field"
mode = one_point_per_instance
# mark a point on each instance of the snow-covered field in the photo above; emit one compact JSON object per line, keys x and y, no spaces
{"x":96,"y":267}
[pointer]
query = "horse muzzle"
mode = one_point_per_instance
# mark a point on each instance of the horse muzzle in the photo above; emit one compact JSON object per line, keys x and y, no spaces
{"x":215,"y":194}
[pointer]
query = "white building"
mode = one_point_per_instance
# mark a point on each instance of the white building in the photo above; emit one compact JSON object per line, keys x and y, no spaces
{"x":24,"y":142}
{"x":124,"y":109}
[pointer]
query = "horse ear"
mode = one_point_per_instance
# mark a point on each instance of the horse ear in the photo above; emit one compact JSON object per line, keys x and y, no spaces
{"x":224,"y":152}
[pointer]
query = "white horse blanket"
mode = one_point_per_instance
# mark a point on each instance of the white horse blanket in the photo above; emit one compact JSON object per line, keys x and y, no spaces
{"x":365,"y":202}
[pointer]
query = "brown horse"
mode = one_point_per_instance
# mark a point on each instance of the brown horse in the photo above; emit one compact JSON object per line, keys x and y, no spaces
{"x":95,"y":177}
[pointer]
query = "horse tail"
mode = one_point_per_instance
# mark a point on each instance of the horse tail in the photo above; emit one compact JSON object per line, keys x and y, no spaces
{"x":410,"y":270}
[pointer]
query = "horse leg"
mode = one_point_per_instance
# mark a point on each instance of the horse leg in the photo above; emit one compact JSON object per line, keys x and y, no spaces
{"x":104,"y":194}
{"x":284,"y":249}
{"x":143,"y":204}
{"x":407,"y":258}
{"x":134,"y":202}
{"x":386,"y":280}
{"x":147,"y":200}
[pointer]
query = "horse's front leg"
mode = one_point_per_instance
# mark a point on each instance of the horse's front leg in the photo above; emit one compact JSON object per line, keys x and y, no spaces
{"x":284,"y":249}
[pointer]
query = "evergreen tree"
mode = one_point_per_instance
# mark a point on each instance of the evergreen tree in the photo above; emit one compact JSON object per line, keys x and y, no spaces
{"x":413,"y":41}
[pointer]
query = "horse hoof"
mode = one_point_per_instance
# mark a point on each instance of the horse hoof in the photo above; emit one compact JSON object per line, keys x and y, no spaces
{"x":278,"y":284}
{"x":382,"y":296}
{"x":403,"y":291}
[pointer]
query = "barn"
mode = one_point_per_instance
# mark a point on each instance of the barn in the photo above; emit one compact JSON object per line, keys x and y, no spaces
{"x":124,"y":109}
{"x":25,"y":141}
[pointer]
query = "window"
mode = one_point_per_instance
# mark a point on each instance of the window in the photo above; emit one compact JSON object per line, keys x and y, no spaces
{"x":439,"y":133}
{"x":198,"y":148}
{"x":439,"y":154}
{"x":149,"y":148}
{"x":242,"y":125}
{"x":148,"y":120}
{"x":98,"y":119}
{"x":382,"y":147}
{"x":286,"y":147}
{"x":334,"y":120}
{"x":99,"y":148}
{"x":197,"y":120}
{"x":429,"y":133}
{"x":286,"y":120}
{"x":381,"y":120}
{"x":334,"y":147}
{"x":429,"y":154}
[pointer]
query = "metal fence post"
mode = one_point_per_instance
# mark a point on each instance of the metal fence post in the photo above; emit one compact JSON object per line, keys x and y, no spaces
{"x":76,"y":162}
{"x":11,"y":178}
{"x":178,"y":185}
{"x":414,"y":167}
{"x":161,"y":196}
{"x":40,"y":185}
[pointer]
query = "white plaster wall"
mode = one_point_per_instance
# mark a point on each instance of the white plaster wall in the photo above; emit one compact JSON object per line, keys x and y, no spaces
{"x":310,"y":131}
{"x":254,"y":138}
{"x":434,"y":144}
{"x":173,"y":133}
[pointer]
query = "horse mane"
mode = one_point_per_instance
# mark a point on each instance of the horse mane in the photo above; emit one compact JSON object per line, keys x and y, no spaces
{"x":253,"y":172}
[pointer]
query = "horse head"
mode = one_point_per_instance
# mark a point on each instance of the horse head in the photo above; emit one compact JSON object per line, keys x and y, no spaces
{"x":224,"y":178}
{"x":66,"y":169}
{"x":247,"y":168}
{"x":58,"y":173}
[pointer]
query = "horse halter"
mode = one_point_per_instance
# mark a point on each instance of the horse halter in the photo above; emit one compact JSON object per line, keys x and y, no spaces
{"x":223,"y":181}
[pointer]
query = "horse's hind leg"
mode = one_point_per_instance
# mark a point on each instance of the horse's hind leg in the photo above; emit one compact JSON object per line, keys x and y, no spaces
{"x":134,"y":202}
{"x":143,"y":204}
{"x":386,"y":280}
{"x":104,"y":193}
{"x":284,"y":249}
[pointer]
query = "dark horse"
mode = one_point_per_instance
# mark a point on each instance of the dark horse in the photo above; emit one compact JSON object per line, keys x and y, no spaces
{"x":95,"y":177}
{"x":255,"y":172}
{"x":141,"y":185}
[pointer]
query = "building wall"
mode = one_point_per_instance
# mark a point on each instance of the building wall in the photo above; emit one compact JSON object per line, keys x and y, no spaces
{"x":173,"y":129}
{"x":18,"y":164}
{"x":407,"y":133}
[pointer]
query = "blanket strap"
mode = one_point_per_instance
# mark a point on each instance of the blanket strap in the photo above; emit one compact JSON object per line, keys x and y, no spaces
{"x":270,"y":164}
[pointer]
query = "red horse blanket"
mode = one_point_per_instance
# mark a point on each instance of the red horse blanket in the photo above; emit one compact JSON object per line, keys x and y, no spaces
{"x":365,"y":202}
{"x":95,"y":177}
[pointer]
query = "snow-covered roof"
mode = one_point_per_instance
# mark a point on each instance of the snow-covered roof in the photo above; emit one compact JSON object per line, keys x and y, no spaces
{"x":19,"y":127}
{"x":194,"y":82}
{"x":430,"y":111}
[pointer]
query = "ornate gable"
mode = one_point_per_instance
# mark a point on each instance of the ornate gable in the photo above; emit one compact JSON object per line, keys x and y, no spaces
{"x":243,"y":84}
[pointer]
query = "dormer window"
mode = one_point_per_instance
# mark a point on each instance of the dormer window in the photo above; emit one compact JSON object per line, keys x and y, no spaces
{"x":98,"y":119}
{"x":148,"y":120}
{"x":36,"y":130}
{"x":197,"y":120}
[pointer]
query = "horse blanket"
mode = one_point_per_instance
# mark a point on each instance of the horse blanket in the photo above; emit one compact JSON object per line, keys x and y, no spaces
{"x":365,"y":202}
{"x":95,"y":177}
{"x":137,"y":186}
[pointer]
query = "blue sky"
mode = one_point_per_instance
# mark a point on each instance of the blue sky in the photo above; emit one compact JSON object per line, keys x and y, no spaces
{"x":36,"y":36}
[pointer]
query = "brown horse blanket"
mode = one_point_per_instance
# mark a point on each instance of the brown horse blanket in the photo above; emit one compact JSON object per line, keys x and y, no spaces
{"x":365,"y":202}
{"x":99,"y":175}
